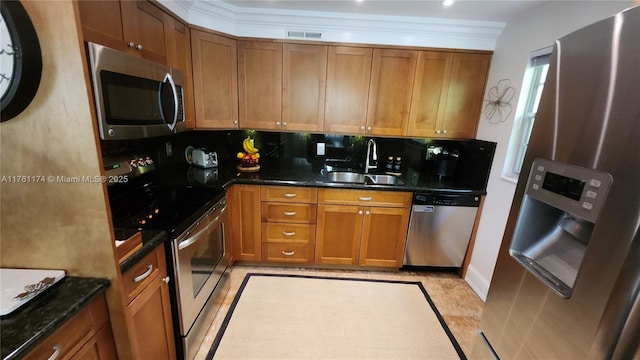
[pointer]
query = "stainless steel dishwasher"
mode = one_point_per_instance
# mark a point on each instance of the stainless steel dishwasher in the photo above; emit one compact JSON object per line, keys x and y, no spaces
{"x":440,"y":229}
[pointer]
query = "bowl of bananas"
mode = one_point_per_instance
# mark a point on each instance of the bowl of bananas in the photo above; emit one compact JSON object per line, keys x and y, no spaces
{"x":249,"y":157}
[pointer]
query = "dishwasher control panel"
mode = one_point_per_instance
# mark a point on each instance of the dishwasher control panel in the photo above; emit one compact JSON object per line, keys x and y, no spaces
{"x":446,"y":199}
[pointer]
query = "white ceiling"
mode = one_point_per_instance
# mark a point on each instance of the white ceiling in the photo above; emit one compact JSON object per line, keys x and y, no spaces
{"x":478,"y":10}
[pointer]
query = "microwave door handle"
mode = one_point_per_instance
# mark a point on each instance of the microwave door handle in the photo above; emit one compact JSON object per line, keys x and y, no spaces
{"x":174,"y":91}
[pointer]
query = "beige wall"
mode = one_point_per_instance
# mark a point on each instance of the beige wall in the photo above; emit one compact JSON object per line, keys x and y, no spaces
{"x":54,"y":224}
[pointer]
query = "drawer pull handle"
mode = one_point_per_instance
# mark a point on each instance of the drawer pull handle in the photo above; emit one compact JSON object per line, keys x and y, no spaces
{"x":364,"y":198}
{"x":288,"y":233}
{"x":146,"y":274}
{"x":289,"y":213}
{"x":56,"y":352}
{"x":290,"y":195}
{"x":288,"y":253}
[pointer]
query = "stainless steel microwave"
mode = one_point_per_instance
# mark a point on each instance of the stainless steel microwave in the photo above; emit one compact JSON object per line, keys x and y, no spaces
{"x":135,"y":98}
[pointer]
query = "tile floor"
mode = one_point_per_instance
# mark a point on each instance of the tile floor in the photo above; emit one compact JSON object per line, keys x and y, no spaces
{"x":457,"y":303}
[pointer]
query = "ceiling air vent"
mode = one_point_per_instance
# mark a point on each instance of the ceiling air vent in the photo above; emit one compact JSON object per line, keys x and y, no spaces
{"x":304,"y":34}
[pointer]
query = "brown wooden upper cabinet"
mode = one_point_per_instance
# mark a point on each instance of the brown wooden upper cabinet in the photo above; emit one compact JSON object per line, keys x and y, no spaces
{"x":392,"y":74}
{"x":260,"y":84}
{"x":136,"y":27}
{"x":304,"y":76}
{"x":178,"y":43}
{"x":215,"y":80}
{"x":447,"y":94}
{"x":282,"y":86}
{"x":348,"y":76}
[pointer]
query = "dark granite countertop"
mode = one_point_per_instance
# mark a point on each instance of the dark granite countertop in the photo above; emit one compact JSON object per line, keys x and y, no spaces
{"x":39,"y":318}
{"x":298,"y":172}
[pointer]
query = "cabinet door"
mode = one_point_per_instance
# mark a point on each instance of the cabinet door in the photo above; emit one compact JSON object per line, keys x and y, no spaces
{"x":143,"y":25}
{"x":304,"y":74}
{"x":100,"y":347}
{"x":215,"y":80}
{"x":244,"y":217}
{"x":102,"y":23}
{"x":260,"y":84}
{"x":179,"y":57}
{"x":151,"y":328}
{"x":392,"y":77}
{"x":384,"y":232}
{"x":431,"y":84}
{"x":464,"y":98}
{"x":338,"y":234}
{"x":348,"y":75}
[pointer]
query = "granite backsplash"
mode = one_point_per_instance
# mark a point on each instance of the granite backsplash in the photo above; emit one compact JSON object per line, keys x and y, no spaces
{"x":442,"y":160}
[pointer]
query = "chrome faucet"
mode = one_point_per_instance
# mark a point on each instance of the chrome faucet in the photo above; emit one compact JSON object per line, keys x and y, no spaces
{"x":370,"y":156}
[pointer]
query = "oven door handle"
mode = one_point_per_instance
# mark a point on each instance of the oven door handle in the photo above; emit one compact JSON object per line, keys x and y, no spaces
{"x":192,"y":239}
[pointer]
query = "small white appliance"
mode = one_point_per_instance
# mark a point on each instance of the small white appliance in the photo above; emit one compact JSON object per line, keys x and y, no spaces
{"x":201,"y":157}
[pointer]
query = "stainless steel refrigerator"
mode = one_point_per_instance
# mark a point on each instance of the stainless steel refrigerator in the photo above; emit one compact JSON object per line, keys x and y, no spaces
{"x":567,"y":279}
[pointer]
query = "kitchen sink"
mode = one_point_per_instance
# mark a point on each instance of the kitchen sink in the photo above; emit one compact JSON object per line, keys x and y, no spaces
{"x":382,"y":179}
{"x":359,"y":178}
{"x":346,"y":177}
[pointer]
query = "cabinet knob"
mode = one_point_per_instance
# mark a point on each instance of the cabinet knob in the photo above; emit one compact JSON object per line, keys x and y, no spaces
{"x":362,"y":128}
{"x":367,"y":212}
{"x":444,"y":131}
{"x":277,"y":123}
{"x":166,"y":279}
{"x":235,"y":122}
{"x":368,"y":128}
{"x":360,"y":212}
{"x":284,"y":124}
{"x":139,"y":47}
{"x":438,"y":132}
{"x":131,"y":44}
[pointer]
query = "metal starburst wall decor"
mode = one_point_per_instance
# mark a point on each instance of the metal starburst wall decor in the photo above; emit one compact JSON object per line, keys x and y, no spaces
{"x":497,"y":107}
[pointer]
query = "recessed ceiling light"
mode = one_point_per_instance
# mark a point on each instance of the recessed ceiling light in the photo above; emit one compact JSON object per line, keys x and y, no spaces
{"x":447,"y":2}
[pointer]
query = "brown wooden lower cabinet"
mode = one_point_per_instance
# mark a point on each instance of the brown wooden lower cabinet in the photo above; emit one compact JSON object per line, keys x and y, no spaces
{"x":148,"y":313}
{"x":244,"y":220}
{"x":365,"y":235}
{"x":87,"y":335}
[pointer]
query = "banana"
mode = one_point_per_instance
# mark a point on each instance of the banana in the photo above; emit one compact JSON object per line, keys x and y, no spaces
{"x":245,"y":145}
{"x":248,"y":147}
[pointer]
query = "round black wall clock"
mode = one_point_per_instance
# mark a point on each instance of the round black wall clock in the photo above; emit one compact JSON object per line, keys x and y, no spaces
{"x":20,"y":59}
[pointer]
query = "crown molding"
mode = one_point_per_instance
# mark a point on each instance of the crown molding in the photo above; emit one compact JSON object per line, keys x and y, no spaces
{"x":340,"y":27}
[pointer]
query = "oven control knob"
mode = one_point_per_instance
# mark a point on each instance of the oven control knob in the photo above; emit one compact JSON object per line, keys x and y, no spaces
{"x":141,"y":162}
{"x":133,"y":163}
{"x":166,"y":279}
{"x":148,"y":160}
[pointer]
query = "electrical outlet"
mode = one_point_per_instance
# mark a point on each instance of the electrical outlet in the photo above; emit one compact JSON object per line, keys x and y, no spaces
{"x":168,"y":148}
{"x":320,"y":149}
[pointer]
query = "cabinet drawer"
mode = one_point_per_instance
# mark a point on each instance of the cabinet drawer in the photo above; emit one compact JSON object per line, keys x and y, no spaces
{"x":291,"y":213}
{"x":289,"y":194}
{"x":74,"y":333}
{"x":364,"y":197}
{"x":285,"y":252}
{"x":141,"y":274}
{"x":289,"y":233}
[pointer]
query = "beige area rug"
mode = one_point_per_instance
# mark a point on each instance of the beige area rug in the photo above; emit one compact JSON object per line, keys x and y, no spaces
{"x":305,"y":317}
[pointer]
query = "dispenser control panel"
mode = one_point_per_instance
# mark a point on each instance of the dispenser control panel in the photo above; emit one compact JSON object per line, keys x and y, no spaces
{"x":574,"y":189}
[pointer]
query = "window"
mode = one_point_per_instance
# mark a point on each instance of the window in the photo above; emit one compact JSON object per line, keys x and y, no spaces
{"x":531,"y":92}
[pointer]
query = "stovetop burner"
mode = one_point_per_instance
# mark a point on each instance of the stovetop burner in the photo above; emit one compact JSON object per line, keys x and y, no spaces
{"x":147,"y":206}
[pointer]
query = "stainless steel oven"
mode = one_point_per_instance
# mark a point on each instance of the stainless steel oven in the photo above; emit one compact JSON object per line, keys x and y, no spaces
{"x":200,"y":260}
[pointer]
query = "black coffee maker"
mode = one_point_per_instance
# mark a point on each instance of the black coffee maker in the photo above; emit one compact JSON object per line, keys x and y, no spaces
{"x":441,"y":162}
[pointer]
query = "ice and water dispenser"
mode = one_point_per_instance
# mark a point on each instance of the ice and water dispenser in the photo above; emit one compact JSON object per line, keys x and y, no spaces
{"x":559,"y":211}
